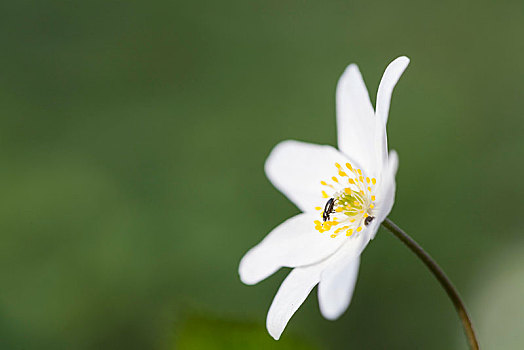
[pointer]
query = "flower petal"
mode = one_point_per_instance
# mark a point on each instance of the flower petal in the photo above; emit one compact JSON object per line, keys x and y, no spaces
{"x":336,"y":287}
{"x":296,"y":169}
{"x":386,"y":191}
{"x":356,"y":120}
{"x":388,"y":82}
{"x":299,"y":283}
{"x":295,"y":242}
{"x":291,"y":294}
{"x":381,"y":146}
{"x":338,"y":278}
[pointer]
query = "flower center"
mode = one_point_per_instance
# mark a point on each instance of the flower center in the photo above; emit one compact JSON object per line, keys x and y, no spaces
{"x":349,"y":202}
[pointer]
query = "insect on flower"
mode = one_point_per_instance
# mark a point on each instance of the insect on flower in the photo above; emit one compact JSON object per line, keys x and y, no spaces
{"x":368,"y":220}
{"x":328,"y":209}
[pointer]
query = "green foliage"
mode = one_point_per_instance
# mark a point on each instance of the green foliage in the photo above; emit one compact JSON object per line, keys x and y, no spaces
{"x":204,"y":333}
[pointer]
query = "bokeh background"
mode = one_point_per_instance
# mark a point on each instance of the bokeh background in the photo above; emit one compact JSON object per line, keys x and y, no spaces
{"x":132,"y":141}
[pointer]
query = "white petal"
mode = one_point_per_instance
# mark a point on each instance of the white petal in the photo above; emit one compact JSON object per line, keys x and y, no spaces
{"x":291,"y":294}
{"x":388,"y":82}
{"x":299,"y":283}
{"x":296,"y":169}
{"x":386,"y":191}
{"x":295,"y":242}
{"x":381,"y":146}
{"x":338,"y":278}
{"x":356,"y":120}
{"x":336,"y":287}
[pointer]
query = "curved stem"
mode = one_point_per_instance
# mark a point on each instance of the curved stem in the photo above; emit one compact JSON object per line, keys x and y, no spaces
{"x":441,"y":277}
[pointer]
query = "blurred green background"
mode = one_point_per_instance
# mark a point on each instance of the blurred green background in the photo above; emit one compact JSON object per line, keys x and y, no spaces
{"x":132,"y":141}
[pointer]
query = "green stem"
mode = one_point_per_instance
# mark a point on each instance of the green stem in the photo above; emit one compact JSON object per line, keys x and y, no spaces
{"x":441,"y":277}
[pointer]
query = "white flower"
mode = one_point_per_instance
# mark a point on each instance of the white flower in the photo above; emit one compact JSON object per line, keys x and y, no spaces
{"x":323,"y":246}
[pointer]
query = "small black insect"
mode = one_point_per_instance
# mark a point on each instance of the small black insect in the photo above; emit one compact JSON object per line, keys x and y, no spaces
{"x":368,"y":220}
{"x":328,"y":209}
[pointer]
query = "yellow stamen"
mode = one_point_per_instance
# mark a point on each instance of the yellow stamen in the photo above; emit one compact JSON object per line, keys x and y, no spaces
{"x":349,"y":204}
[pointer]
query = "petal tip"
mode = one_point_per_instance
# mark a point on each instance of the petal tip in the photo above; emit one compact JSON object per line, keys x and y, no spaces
{"x":246,"y":276}
{"x":273,"y":329}
{"x":401,"y":62}
{"x":330,"y":315}
{"x":275,"y":335}
{"x":351,"y":72}
{"x":277,"y":150}
{"x":246,"y":280}
{"x":403,"y":59}
{"x":352,"y":67}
